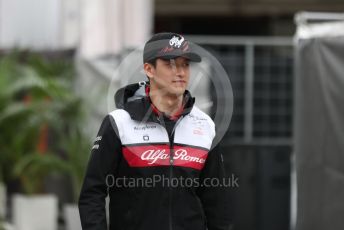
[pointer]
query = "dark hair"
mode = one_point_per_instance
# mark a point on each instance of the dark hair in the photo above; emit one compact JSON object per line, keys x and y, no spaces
{"x":152,"y":62}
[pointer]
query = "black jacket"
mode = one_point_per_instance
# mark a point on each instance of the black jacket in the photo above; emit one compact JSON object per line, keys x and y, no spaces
{"x":129,"y":153}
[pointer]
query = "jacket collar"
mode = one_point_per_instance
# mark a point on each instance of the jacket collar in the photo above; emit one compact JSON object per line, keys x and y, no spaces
{"x":135,"y":100}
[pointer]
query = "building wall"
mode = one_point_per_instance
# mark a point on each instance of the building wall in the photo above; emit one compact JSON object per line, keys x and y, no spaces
{"x":33,"y":23}
{"x":94,"y":28}
{"x":247,"y":7}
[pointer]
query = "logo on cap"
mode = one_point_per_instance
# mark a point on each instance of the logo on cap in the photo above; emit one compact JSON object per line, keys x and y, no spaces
{"x":176,"y":42}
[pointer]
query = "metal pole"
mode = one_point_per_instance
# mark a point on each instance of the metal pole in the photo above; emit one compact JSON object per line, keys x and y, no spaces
{"x":249,"y":87}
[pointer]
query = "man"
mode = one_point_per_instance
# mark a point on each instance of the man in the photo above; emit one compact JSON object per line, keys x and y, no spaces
{"x":157,"y":150}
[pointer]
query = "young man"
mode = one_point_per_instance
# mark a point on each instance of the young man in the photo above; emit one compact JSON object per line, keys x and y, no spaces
{"x":153,"y":155}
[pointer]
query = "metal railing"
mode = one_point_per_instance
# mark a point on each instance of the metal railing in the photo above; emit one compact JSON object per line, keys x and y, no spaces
{"x":258,"y":144}
{"x":261,"y":73}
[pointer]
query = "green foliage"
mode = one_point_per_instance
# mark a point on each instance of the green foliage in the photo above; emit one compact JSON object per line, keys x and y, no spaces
{"x":36,"y":92}
{"x":33,"y":167}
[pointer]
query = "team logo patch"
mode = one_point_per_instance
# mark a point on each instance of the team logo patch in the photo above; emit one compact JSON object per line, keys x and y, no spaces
{"x":96,"y":142}
{"x":176,"y":41}
{"x":145,"y":137}
{"x":198,"y":131}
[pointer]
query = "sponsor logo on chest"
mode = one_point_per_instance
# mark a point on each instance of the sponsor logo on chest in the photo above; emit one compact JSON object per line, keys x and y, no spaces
{"x":161,"y":155}
{"x":152,"y":156}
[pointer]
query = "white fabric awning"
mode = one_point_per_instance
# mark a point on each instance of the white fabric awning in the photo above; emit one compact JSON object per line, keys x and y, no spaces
{"x":316,"y":25}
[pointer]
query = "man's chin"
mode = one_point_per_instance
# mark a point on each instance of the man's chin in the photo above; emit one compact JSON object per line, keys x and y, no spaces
{"x":177,"y":91}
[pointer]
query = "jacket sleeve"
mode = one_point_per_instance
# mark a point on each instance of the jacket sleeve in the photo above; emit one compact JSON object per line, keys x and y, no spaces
{"x":105,"y":155}
{"x":213,"y":192}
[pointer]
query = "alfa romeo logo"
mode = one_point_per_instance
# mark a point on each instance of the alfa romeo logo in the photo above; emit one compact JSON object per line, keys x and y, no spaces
{"x":176,"y":42}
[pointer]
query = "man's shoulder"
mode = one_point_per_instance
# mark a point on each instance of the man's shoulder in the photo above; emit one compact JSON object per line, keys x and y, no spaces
{"x":119,"y":114}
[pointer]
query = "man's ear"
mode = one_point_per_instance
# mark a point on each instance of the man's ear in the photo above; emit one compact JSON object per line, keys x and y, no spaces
{"x":149,"y":70}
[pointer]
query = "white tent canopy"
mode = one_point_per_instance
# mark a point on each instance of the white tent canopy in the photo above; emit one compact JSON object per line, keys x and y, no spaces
{"x":318,"y":122}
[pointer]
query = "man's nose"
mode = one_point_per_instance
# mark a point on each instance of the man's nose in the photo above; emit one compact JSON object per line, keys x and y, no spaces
{"x":177,"y":68}
{"x":180,"y":70}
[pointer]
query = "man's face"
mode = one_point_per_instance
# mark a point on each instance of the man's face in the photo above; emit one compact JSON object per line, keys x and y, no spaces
{"x":171,"y":76}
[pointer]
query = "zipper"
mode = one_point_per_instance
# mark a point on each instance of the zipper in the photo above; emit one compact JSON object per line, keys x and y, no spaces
{"x":171,"y":167}
{"x":170,"y":187}
{"x":171,"y":160}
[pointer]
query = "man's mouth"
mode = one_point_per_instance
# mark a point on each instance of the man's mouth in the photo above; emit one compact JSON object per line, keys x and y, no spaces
{"x":179,"y":81}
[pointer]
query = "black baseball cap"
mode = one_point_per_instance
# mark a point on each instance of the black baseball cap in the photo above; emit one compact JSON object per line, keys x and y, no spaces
{"x":169,"y":45}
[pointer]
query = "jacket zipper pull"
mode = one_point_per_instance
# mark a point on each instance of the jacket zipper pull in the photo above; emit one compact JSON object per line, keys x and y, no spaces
{"x":142,"y":83}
